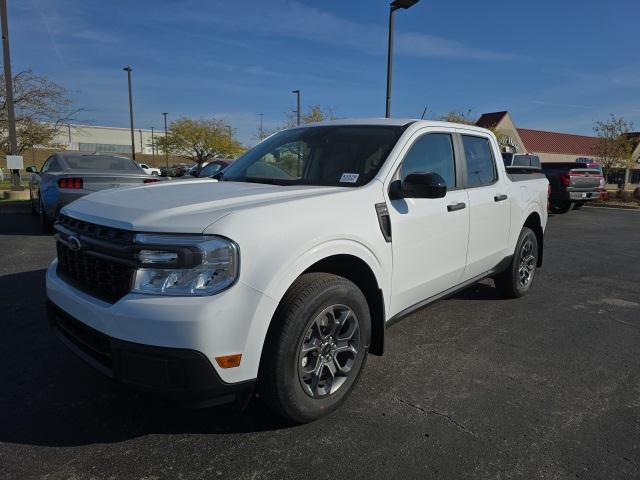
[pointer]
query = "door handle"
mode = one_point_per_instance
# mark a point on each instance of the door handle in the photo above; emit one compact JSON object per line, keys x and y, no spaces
{"x":499,"y":198}
{"x":456,"y":206}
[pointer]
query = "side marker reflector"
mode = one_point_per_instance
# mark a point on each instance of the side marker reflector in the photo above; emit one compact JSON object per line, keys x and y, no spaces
{"x":229,"y":361}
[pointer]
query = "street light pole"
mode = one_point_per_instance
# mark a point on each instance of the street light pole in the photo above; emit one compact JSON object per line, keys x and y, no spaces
{"x":395,"y":5}
{"x":133,"y":142}
{"x":297,"y":92}
{"x":8,"y":82}
{"x":153,"y":148}
{"x":166,"y":152}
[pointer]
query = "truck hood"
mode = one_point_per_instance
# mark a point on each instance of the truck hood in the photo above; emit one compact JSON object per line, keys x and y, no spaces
{"x":182,"y":207}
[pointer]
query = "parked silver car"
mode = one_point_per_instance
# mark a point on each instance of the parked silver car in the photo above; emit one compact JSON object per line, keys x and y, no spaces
{"x":66,"y":176}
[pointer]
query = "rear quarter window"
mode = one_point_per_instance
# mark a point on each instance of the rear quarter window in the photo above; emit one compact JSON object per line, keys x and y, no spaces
{"x":481,"y":166}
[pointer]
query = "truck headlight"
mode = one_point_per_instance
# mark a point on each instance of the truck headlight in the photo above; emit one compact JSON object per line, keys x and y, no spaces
{"x":185,"y":265}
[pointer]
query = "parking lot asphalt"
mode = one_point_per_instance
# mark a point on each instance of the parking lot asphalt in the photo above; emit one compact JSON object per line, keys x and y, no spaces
{"x":547,"y":386}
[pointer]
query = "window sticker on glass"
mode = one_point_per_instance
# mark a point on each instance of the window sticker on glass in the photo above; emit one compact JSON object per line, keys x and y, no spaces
{"x":349,"y":177}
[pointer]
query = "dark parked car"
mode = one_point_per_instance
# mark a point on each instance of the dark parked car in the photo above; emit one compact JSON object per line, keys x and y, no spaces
{"x":66,"y":176}
{"x":572,"y":183}
{"x":214,"y":167}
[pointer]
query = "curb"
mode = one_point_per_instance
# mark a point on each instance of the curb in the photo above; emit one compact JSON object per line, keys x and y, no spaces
{"x":621,"y":207}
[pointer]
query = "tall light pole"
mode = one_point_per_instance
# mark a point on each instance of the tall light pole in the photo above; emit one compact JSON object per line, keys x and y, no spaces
{"x":153,"y":148}
{"x":166,"y":152}
{"x":8,"y":87}
{"x":297,"y":92}
{"x":395,"y":5}
{"x":261,"y":134}
{"x":133,"y":142}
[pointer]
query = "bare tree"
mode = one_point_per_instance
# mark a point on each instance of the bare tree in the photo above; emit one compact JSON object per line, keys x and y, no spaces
{"x":42,"y":109}
{"x":315,"y":113}
{"x":458,"y":116}
{"x":615,"y":145}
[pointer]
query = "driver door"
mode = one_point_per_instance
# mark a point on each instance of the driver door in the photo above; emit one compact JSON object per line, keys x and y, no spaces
{"x":430,"y":235}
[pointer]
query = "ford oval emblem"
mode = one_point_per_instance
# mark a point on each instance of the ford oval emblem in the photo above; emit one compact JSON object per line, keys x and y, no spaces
{"x":74,"y":244}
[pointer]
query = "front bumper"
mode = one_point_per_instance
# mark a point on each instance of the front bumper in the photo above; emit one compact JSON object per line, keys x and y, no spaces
{"x":185,"y":376}
{"x":232,"y":322}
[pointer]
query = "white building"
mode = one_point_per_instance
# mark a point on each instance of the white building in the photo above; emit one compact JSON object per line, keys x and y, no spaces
{"x":91,"y":138}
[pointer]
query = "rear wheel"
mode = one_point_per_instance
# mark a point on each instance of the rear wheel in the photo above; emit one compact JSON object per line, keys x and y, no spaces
{"x":46,"y":225}
{"x":560,"y":207}
{"x":516,"y":280}
{"x":317,"y":347}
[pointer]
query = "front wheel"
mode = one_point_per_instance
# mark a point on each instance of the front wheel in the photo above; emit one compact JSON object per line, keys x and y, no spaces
{"x":35,"y":211}
{"x":516,"y":280}
{"x":316,"y":348}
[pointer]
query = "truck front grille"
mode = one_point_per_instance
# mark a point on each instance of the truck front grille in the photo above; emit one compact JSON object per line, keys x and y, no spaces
{"x":103,"y":267}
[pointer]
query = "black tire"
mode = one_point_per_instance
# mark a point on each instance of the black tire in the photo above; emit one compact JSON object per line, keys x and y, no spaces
{"x":46,"y":225}
{"x":510,"y":283}
{"x":34,"y":209}
{"x":281,"y":382}
{"x":560,"y":207}
{"x":578,"y":205}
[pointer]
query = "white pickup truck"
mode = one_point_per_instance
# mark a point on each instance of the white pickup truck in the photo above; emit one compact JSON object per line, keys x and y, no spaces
{"x":283,"y":275}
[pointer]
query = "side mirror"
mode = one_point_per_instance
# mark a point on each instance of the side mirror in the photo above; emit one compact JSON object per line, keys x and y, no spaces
{"x":31,"y":169}
{"x":423,"y":185}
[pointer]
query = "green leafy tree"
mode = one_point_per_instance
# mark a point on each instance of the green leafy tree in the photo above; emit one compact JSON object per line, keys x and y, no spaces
{"x":42,"y":109}
{"x":615,"y":145}
{"x":199,"y":140}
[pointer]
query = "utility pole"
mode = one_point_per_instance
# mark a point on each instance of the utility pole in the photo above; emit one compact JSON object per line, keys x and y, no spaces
{"x":261,"y":134}
{"x":166,"y":152}
{"x":8,"y":83}
{"x":297,"y":92}
{"x":133,"y":143}
{"x":153,"y":148}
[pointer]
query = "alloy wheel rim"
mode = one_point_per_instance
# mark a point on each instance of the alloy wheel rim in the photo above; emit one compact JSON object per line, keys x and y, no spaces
{"x":328,"y":351}
{"x":527,"y":265}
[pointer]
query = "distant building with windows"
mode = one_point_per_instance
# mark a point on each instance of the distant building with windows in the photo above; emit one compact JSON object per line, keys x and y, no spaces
{"x":92,"y":138}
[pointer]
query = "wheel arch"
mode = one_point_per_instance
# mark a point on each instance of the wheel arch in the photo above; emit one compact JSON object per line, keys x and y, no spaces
{"x":534,"y":222}
{"x":357,"y":270}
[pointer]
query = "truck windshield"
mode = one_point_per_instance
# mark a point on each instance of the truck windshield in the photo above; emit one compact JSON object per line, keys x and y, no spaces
{"x":336,"y":155}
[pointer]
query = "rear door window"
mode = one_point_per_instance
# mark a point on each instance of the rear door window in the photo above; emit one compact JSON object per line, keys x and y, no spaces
{"x":481,"y":166}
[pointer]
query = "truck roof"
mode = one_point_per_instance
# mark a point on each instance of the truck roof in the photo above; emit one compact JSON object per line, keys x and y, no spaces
{"x":395,"y":122}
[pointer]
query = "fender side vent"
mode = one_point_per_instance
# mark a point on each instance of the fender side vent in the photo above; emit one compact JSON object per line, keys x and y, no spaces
{"x":384,"y":220}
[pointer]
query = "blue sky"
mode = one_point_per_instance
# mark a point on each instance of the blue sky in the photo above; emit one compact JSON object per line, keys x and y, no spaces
{"x":556,"y":65}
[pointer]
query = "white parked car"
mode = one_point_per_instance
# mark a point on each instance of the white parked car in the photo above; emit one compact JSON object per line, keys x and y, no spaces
{"x":285,"y":274}
{"x":149,"y":170}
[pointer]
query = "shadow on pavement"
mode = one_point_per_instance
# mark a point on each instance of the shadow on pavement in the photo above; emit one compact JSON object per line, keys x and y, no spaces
{"x":49,"y":397}
{"x":19,"y":224}
{"x":478,"y":291}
